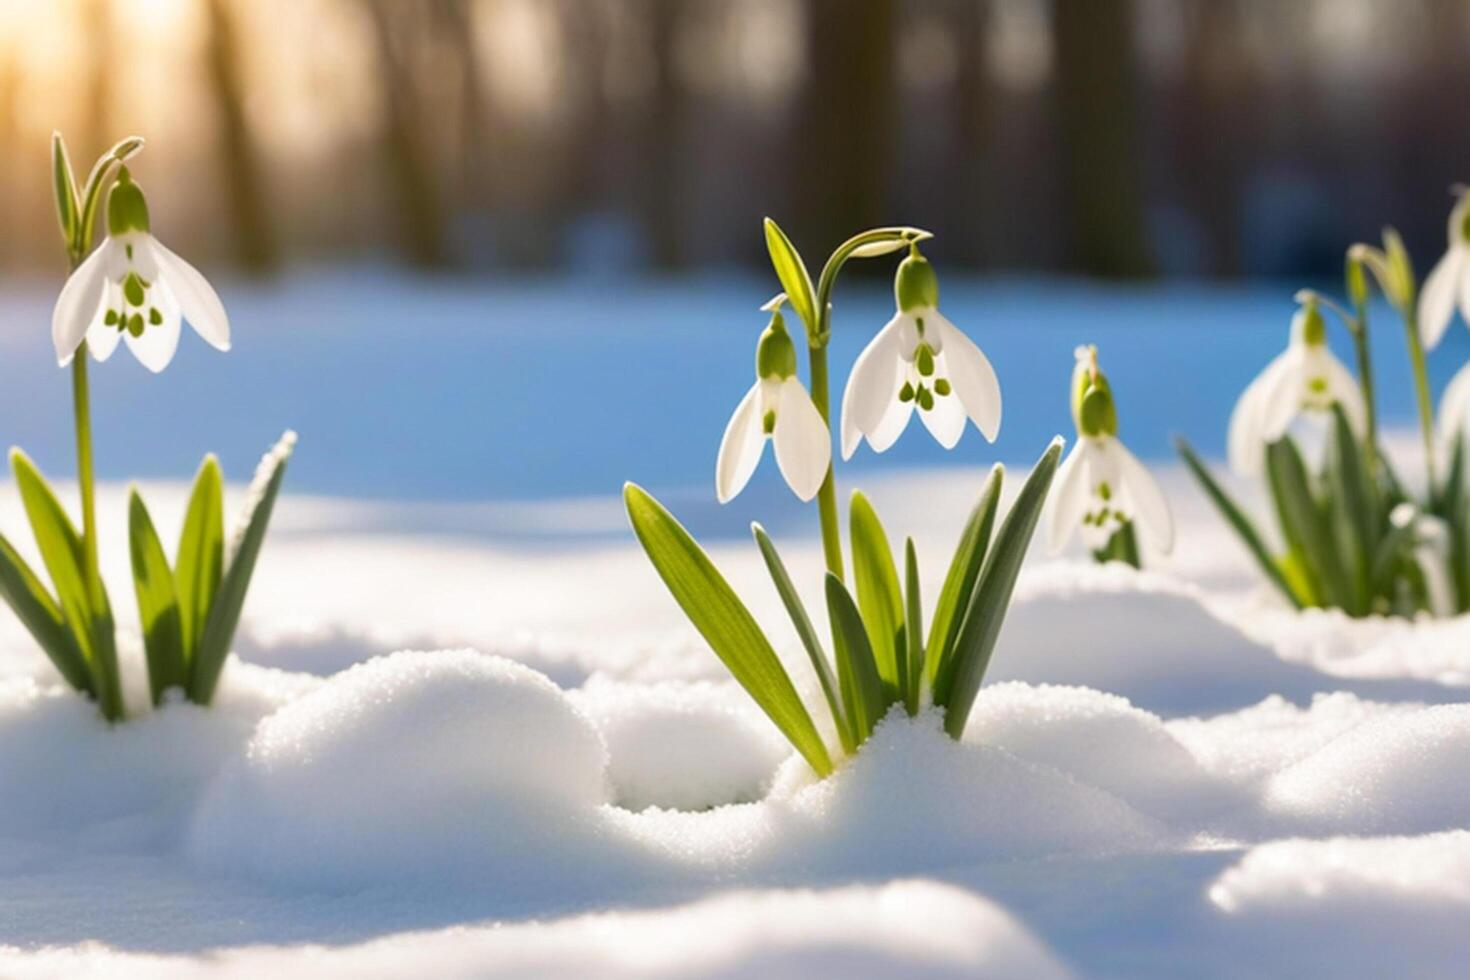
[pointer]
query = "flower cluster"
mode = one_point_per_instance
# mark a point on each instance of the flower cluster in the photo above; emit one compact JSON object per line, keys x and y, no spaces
{"x":1352,"y":535}
{"x":132,"y":289}
{"x":884,"y":656}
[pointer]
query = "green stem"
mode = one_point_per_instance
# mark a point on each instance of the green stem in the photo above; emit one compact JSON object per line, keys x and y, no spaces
{"x":827,"y":495}
{"x":1358,"y":327}
{"x":81,"y":403}
{"x":1426,"y":402}
{"x":817,"y":336}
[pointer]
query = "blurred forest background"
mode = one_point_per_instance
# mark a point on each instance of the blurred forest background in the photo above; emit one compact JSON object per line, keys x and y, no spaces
{"x":1218,"y":138}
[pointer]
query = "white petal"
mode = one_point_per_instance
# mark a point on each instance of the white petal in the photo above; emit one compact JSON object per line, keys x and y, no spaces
{"x":102,"y":340}
{"x":890,"y":427}
{"x":1150,"y":508}
{"x":198,"y":301}
{"x":740,"y":449}
{"x":972,"y":376}
{"x":155,"y":346}
{"x":872,"y":385}
{"x":1454,"y":407}
{"x":1281,"y":398}
{"x":1343,"y":388}
{"x":1245,"y":441}
{"x":1437,"y":299}
{"x":77,"y":305}
{"x":946,"y":420}
{"x":1068,"y":501}
{"x":803,"y":444}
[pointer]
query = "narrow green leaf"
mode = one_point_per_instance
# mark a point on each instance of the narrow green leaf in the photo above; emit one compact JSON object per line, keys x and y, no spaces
{"x":722,"y":619}
{"x":229,"y":602}
{"x":792,"y":272}
{"x":158,"y":604}
{"x":862,"y":688}
{"x":1354,"y":503}
{"x":1304,"y":524}
{"x":200,"y":558}
{"x":913,"y":628}
{"x":1244,"y":528}
{"x":797,"y":611}
{"x":33,"y":605}
{"x":960,"y":682}
{"x":61,"y":552}
{"x":64,"y":185}
{"x":878,"y":594}
{"x":964,"y":571}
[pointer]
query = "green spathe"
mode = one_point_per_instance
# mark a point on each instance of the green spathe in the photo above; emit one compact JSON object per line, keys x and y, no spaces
{"x":1093,"y":410}
{"x":127,"y":208}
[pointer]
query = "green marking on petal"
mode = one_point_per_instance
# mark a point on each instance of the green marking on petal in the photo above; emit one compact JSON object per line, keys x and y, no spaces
{"x":768,"y":423}
{"x":135,"y":325}
{"x":1317,"y":386}
{"x":941,"y":386}
{"x":110,"y":318}
{"x":906,"y":393}
{"x":1104,"y":491}
{"x":926,"y":398}
{"x":154,"y":317}
{"x":134,"y":289}
{"x":924,"y":359}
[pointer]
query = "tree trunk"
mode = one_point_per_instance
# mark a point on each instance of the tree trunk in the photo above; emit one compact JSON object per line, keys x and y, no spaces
{"x":422,"y":230}
{"x":659,"y":194}
{"x":845,"y":143}
{"x":249,"y":202}
{"x":1101,"y":167}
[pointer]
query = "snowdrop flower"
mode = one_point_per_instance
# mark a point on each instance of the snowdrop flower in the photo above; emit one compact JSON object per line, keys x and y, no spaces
{"x":1454,"y":410}
{"x":1431,"y":552}
{"x":1101,"y":486}
{"x":777,"y":407}
{"x":1306,"y":376}
{"x":133,"y":288}
{"x":1448,"y":286}
{"x":918,"y":358}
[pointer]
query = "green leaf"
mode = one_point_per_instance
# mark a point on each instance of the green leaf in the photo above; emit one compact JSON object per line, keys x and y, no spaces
{"x":229,"y":602}
{"x":38,"y":612}
{"x":797,"y":611}
{"x":960,"y":682}
{"x":1304,"y":524}
{"x":722,"y":619}
{"x":65,"y":187}
{"x":1354,"y":502}
{"x":862,"y":688}
{"x":878,"y":594}
{"x":158,"y":604}
{"x":1244,"y":528}
{"x":200,"y":558}
{"x":913,"y":628}
{"x":964,"y":571}
{"x":62,"y":553}
{"x":792,"y":272}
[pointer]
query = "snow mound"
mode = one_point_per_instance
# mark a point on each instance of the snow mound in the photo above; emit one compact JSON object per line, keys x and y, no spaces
{"x":411,"y":766}
{"x":914,"y":798}
{"x":1403,"y":773}
{"x":69,"y":776}
{"x":1386,"y":906}
{"x":851,"y":932}
{"x":1145,"y":636}
{"x":1102,"y":740}
{"x":682,"y":746}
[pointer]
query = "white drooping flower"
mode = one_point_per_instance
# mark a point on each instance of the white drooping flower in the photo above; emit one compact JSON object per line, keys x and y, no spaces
{"x":918,"y":359}
{"x":1101,"y":486}
{"x":1430,"y":549}
{"x":1304,"y":377}
{"x":776,"y":408}
{"x":1448,"y":286}
{"x":132,"y":287}
{"x":1454,"y":410}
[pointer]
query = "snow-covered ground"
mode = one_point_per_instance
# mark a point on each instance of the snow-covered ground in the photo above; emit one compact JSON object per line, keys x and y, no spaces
{"x":1166,"y":775}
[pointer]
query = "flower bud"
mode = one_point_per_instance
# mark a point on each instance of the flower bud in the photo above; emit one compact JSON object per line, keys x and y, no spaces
{"x":1093,"y":410}
{"x":127,"y":209}
{"x":1309,"y":324}
{"x":916,"y":286}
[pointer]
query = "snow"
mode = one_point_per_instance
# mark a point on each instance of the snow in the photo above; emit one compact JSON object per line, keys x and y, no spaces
{"x":472,"y":735}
